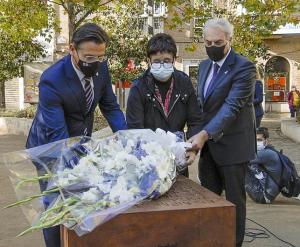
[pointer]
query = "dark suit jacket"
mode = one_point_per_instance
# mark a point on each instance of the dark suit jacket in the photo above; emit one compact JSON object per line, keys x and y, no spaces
{"x":258,"y":99}
{"x":61,"y":111}
{"x":227,"y":110}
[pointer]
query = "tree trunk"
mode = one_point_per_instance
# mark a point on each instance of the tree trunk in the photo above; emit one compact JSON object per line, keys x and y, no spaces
{"x":72,"y":20}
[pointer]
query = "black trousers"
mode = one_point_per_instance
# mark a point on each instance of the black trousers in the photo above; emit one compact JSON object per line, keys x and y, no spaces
{"x":230,"y":178}
{"x":258,"y":121}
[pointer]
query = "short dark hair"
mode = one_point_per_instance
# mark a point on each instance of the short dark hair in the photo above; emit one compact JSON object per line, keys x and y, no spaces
{"x":161,"y":42}
{"x":90,"y":32}
{"x":263,"y":131}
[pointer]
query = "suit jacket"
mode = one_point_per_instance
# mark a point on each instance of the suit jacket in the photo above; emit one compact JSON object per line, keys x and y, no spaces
{"x":227,"y":110}
{"x":258,"y":99}
{"x":61,"y":111}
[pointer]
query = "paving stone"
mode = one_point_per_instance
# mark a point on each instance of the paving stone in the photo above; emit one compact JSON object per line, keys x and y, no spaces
{"x":282,"y":217}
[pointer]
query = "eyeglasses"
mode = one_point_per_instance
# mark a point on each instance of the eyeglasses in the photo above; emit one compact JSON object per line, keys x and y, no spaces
{"x":92,"y":59}
{"x":157,"y":65}
{"x":218,"y":43}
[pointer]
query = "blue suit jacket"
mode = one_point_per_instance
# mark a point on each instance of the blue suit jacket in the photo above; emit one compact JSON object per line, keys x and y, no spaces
{"x":61,"y":111}
{"x":258,"y":99}
{"x":227,"y":110}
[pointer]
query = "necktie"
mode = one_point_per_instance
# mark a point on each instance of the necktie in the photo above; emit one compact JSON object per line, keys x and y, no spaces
{"x":89,"y":94}
{"x":211,"y":82}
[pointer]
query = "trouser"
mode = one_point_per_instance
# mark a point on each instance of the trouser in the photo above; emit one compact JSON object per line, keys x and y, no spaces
{"x":292,"y":111}
{"x":258,"y":121}
{"x":230,"y":178}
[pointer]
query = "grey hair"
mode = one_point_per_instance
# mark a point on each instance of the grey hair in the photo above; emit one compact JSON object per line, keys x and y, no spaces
{"x":220,"y":23}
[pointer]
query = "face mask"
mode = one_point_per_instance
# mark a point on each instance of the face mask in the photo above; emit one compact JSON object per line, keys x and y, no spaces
{"x":260,"y":145}
{"x":162,"y":74}
{"x":215,"y":53}
{"x":88,"y":69}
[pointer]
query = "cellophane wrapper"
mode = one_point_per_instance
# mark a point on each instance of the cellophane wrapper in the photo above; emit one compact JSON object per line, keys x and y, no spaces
{"x":86,"y":181}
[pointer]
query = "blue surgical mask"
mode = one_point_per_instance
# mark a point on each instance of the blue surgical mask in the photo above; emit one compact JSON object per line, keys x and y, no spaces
{"x":260,"y":145}
{"x":162,"y":74}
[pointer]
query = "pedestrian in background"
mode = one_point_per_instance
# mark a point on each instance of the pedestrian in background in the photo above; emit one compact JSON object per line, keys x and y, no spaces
{"x":293,"y":100}
{"x":258,"y":99}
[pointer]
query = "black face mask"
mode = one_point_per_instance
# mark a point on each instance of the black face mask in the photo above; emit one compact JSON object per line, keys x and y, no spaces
{"x":215,"y":53}
{"x":88,"y":69}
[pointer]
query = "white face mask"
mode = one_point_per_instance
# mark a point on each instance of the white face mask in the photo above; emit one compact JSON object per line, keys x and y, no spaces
{"x":260,"y":145}
{"x":162,"y":74}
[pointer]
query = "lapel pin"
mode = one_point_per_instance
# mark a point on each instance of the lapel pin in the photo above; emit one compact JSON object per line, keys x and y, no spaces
{"x":226,"y":72}
{"x":97,"y":74}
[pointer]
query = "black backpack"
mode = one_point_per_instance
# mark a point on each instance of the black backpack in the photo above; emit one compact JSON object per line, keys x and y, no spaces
{"x":290,"y":181}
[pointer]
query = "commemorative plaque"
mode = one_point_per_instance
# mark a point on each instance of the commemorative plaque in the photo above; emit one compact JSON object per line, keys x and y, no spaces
{"x":187,"y":216}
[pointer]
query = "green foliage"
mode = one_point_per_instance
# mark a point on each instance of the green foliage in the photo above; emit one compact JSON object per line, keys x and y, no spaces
{"x":256,"y":22}
{"x":21,"y":22}
{"x":28,"y":112}
{"x":79,"y":10}
{"x":27,"y":19}
{"x":127,"y":41}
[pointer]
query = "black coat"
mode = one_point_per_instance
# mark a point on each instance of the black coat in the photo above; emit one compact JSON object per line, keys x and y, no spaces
{"x":145,"y":112}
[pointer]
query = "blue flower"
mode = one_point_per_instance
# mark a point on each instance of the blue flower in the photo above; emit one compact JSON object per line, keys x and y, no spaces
{"x":138,"y":151}
{"x":147,"y":181}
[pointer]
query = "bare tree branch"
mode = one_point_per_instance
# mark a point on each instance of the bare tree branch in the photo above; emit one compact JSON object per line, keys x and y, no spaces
{"x":64,"y":5}
{"x":83,"y":18}
{"x":105,"y":3}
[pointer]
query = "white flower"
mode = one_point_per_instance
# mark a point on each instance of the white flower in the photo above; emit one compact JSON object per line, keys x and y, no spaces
{"x":91,"y":196}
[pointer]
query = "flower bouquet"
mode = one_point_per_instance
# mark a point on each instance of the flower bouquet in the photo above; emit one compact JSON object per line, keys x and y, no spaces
{"x":85,"y":182}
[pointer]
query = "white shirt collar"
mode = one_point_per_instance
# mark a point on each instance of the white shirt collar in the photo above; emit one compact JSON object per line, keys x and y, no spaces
{"x":78,"y":72}
{"x":221,"y":62}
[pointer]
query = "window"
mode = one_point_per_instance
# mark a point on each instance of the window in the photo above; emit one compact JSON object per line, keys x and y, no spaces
{"x":159,"y":8}
{"x":198,"y":29}
{"x":157,"y":25}
{"x":143,"y":24}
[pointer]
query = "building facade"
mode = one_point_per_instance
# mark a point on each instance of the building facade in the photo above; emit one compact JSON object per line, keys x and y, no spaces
{"x":281,"y":70}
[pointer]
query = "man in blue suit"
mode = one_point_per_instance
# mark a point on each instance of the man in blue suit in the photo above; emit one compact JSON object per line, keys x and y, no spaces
{"x":227,"y":140}
{"x":69,"y":92}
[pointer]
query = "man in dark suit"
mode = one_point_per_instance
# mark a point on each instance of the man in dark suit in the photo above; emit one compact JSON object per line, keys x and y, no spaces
{"x":227,"y":140}
{"x":69,"y":92}
{"x":257,"y":102}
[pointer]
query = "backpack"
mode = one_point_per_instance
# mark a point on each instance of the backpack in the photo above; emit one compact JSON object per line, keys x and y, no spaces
{"x":290,"y":181}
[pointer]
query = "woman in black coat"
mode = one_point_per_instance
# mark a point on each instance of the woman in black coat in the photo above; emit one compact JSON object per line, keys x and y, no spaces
{"x":164,"y":97}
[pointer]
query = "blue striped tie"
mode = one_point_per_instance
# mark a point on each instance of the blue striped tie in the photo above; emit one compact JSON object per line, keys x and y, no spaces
{"x":89,"y":93}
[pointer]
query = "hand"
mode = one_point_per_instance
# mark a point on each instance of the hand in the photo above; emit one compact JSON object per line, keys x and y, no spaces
{"x":191,"y":156}
{"x":198,"y":141}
